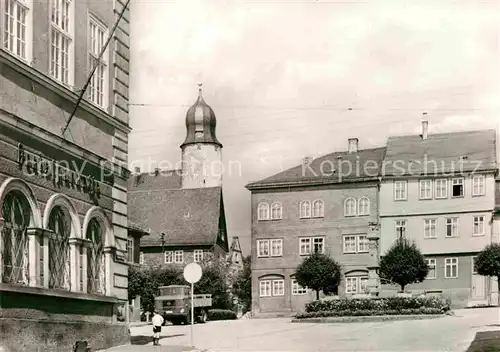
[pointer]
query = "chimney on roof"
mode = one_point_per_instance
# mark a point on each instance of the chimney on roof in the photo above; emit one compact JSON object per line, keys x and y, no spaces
{"x":353,"y":145}
{"x":425,"y":127}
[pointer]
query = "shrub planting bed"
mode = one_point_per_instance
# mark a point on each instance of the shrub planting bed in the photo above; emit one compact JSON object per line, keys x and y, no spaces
{"x":221,"y":314}
{"x":346,"y":307}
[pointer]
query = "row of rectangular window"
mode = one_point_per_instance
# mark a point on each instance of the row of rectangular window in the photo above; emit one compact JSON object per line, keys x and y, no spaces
{"x":276,"y":288}
{"x":441,"y":188}
{"x":450,"y":268}
{"x":430,"y":227}
{"x":308,"y":245}
{"x":176,"y":257}
{"x":17,"y":30}
{"x":352,"y":207}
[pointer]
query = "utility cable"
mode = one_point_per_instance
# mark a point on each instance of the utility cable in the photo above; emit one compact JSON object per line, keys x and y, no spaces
{"x":103,"y":49}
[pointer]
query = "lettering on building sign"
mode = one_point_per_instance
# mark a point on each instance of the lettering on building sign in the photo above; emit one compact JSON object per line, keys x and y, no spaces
{"x":60,"y":175}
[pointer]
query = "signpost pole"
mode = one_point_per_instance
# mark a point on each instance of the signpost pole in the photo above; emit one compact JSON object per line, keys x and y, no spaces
{"x":192,"y":312}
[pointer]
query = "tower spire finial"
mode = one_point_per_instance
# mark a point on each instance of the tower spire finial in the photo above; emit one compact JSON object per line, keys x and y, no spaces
{"x":200,"y":84}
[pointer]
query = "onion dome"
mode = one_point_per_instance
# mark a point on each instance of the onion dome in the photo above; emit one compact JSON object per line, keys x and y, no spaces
{"x":200,"y":123}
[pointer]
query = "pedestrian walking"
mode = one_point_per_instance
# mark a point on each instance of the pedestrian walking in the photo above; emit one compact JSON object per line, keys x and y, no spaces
{"x":157,"y":323}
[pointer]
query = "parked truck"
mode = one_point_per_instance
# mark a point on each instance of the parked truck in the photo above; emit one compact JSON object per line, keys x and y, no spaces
{"x":174,"y":304}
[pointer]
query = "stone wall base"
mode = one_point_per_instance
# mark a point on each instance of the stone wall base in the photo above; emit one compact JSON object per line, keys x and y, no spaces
{"x":19,"y":335}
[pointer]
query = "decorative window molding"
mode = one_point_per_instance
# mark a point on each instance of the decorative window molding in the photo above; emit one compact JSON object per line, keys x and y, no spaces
{"x":305,"y":209}
{"x":318,"y":209}
{"x":364,"y":206}
{"x":276,"y":211}
{"x":263,"y":211}
{"x":350,"y":207}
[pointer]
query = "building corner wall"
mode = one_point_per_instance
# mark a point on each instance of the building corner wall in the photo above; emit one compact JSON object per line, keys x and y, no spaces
{"x":120,"y":97}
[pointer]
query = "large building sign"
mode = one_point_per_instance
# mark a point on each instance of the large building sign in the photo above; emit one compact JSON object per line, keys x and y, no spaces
{"x":60,"y":173}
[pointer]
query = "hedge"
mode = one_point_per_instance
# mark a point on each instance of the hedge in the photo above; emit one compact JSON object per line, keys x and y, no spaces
{"x":376,"y":306}
{"x":358,"y":313}
{"x":221,"y":314}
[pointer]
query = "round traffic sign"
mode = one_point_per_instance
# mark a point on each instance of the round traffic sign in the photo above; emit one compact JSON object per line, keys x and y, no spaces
{"x":192,"y":273}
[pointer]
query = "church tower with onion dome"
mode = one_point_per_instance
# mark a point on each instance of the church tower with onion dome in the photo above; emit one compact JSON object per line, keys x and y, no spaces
{"x":201,"y":151}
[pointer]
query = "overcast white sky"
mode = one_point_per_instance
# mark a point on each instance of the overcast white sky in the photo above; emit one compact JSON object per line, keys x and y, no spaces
{"x":281,"y":76}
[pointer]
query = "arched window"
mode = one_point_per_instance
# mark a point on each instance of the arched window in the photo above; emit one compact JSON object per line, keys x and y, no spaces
{"x":350,"y":207}
{"x":364,"y":206}
{"x":16,"y":213}
{"x":263,"y":211}
{"x":96,"y":268}
{"x":318,"y":209}
{"x":59,"y":257}
{"x":305,"y":209}
{"x":276,"y":211}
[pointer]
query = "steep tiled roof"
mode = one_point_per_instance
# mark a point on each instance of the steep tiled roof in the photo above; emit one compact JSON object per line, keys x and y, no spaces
{"x":165,"y":179}
{"x":348,"y":167}
{"x":441,"y":153}
{"x":186,"y":216}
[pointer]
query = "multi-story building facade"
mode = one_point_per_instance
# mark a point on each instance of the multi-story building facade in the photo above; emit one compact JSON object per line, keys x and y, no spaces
{"x":329,"y":205}
{"x":439,"y":191}
{"x":183,"y":210}
{"x":63,"y":199}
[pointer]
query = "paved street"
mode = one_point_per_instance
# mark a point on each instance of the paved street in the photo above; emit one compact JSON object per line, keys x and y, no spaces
{"x":452,"y":333}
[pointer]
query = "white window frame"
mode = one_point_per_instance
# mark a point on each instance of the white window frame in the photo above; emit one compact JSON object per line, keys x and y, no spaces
{"x":297,"y":290}
{"x":28,"y":29}
{"x":430,"y":228}
{"x":350,"y":207}
{"x":401,"y":224}
{"x":319,"y":211}
{"x":450,"y":263}
{"x":265,"y":288}
{"x":103,"y":62}
{"x":263,"y":207}
{"x":431,"y":262}
{"x":358,"y":244}
{"x":400,"y":190}
{"x":458,"y":181}
{"x":354,"y":243}
{"x":361,"y":211}
{"x":67,"y":34}
{"x":168,"y":257}
{"x":130,"y":250}
{"x":453,"y":223}
{"x":179,"y":254}
{"x":280,"y":248}
{"x":305,"y":210}
{"x":480,"y":221}
{"x":358,"y":284}
{"x":279,"y":210}
{"x":425,"y":189}
{"x":261,"y":246}
{"x":198,"y":255}
{"x":309,"y":244}
{"x":141,"y":258}
{"x":478,"y":185}
{"x":278,"y":288}
{"x":441,"y":188}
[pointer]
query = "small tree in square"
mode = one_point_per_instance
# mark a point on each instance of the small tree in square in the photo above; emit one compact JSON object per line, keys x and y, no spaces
{"x":403,"y":264}
{"x":318,"y":272}
{"x":487,"y":263}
